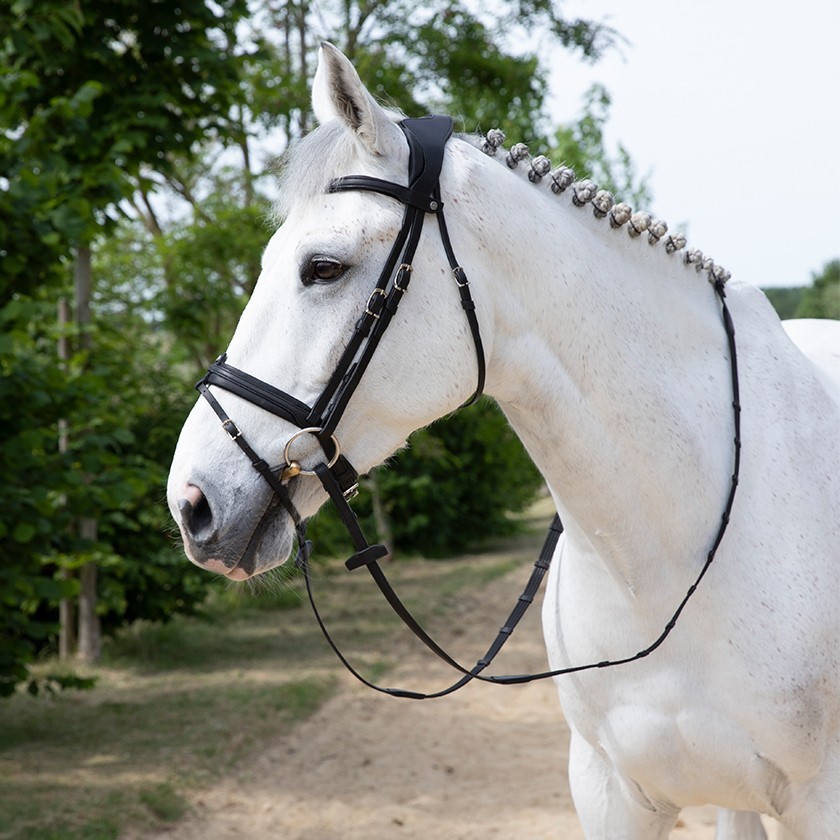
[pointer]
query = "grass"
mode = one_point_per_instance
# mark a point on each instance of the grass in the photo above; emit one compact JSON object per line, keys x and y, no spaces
{"x":164,"y":802}
{"x":177,"y":706}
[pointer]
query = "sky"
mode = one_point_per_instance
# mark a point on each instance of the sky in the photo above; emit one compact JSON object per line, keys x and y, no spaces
{"x":733,"y":108}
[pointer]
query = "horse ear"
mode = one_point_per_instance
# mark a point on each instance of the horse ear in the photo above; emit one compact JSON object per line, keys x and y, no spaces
{"x":338,"y":92}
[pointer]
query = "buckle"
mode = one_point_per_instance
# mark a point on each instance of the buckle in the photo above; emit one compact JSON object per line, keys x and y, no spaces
{"x":460,"y":277}
{"x":404,"y":271}
{"x":351,"y":492}
{"x":231,"y":428}
{"x":374,"y":312}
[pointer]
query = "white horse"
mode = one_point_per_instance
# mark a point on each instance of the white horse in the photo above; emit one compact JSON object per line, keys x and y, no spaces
{"x":608,"y":355}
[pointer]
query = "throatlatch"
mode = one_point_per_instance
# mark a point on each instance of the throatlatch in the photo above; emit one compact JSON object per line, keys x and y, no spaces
{"x":427,"y":138}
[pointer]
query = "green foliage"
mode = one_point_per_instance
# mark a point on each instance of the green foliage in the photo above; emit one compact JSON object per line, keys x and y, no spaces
{"x":453,"y":487}
{"x":822,"y":298}
{"x":212,"y":264}
{"x":785,"y":299}
{"x":137,"y":404}
{"x":142,"y":81}
{"x":581,"y":146}
{"x":819,"y":300}
{"x":457,"y":66}
{"x":449,"y":55}
{"x":90,"y":93}
{"x":32,"y":398}
{"x":114,"y":471}
{"x":457,"y":482}
{"x":53,"y":683}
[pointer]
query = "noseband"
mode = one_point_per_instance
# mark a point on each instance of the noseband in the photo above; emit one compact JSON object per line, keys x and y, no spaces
{"x":427,"y":138}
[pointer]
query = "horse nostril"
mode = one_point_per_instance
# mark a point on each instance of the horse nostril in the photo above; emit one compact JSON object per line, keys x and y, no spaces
{"x":195,"y":511}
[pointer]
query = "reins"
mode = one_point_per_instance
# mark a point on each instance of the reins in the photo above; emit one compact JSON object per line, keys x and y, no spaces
{"x":427,"y":138}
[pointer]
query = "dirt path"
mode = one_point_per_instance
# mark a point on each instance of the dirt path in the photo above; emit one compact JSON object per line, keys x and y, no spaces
{"x":488,"y":762}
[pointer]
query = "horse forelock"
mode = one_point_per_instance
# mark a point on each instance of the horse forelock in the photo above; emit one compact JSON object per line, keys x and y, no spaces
{"x":307,"y":167}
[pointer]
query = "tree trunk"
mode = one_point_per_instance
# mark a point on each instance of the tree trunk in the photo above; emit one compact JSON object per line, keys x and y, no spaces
{"x":303,"y":48}
{"x":83,"y":282}
{"x":89,"y":629}
{"x":380,"y":517}
{"x":66,"y":610}
{"x":90,"y":637}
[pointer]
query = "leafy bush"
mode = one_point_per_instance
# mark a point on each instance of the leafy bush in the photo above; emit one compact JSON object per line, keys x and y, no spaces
{"x":453,"y":487}
{"x":822,"y":298}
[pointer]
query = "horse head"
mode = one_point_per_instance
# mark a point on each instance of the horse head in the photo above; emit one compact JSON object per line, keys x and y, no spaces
{"x":320,"y":272}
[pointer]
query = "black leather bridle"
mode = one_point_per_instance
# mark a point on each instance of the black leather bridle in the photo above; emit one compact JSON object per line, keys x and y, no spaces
{"x":427,"y":138}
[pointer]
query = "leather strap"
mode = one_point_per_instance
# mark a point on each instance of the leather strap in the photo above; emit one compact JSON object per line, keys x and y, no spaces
{"x":427,"y":139}
{"x":410,"y":197}
{"x":278,"y":403}
{"x":523,"y":602}
{"x":235,"y":434}
{"x":468,"y":305}
{"x":257,"y":392}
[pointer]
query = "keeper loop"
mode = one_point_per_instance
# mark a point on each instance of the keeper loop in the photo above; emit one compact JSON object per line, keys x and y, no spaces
{"x":366,"y":556}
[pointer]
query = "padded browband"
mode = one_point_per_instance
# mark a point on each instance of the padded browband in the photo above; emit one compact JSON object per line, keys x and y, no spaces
{"x":427,"y":138}
{"x":412,"y":198}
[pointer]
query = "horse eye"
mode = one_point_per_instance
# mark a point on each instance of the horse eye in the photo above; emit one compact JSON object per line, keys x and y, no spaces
{"x":321,"y":270}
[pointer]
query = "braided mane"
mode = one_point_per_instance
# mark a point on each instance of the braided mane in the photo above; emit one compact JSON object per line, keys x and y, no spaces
{"x":603,"y":203}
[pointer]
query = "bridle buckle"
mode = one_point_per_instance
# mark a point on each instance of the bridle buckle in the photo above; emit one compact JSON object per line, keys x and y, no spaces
{"x":232,"y":430}
{"x":376,"y":311}
{"x":403,"y":271}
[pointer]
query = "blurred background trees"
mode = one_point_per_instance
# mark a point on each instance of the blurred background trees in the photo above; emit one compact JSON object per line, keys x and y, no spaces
{"x":819,"y":300}
{"x":136,"y":158}
{"x":93,"y":98}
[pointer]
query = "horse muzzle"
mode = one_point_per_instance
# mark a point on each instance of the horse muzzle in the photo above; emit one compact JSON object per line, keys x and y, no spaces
{"x":235,"y":544}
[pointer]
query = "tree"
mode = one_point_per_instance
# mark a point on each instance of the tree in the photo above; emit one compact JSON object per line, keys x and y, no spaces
{"x":822,"y":298}
{"x":90,"y":94}
{"x":144,"y":131}
{"x":819,"y":300}
{"x":785,"y":299}
{"x":32,"y":399}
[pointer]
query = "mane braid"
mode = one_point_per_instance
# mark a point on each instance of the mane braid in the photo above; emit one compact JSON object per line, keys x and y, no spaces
{"x":603,"y":203}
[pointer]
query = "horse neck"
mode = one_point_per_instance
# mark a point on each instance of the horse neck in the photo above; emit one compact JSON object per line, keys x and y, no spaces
{"x":608,"y":357}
